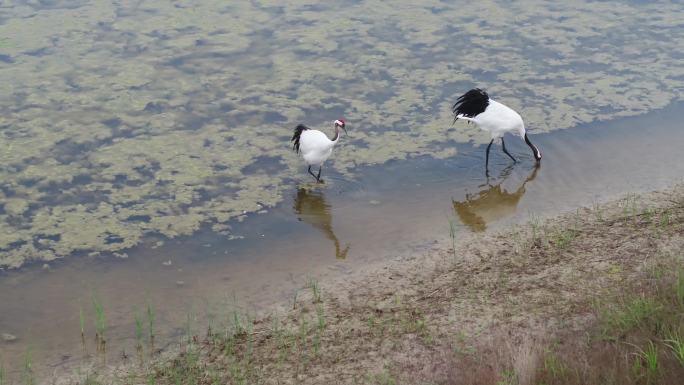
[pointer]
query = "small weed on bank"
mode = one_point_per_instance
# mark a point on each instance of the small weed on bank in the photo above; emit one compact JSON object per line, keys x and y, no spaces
{"x":646,"y":361}
{"x":619,"y":319}
{"x":676,"y":343}
{"x":27,"y":376}
{"x":315,"y":290}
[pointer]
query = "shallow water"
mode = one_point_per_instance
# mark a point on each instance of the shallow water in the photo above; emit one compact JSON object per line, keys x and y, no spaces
{"x":324,"y":231}
{"x":146,"y":118}
{"x":145,"y":157}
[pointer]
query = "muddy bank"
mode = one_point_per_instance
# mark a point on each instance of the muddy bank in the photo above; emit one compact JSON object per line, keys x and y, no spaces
{"x":539,"y":280}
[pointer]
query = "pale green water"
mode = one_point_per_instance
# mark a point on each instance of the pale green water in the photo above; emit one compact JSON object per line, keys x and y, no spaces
{"x":120,"y":120}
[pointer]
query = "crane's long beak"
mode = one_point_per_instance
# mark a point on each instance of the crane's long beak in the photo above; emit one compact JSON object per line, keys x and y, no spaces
{"x":345,"y":130}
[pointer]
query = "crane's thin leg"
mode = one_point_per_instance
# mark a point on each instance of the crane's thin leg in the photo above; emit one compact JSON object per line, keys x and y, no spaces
{"x":503,"y":145}
{"x":318,"y":177}
{"x":312,"y":174}
{"x":487,"y":158}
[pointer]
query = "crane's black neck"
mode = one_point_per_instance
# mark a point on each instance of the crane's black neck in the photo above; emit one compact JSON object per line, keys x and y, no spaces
{"x":535,"y":150}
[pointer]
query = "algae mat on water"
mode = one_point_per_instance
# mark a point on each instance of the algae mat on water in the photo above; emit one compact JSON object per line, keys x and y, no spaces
{"x":125,"y":119}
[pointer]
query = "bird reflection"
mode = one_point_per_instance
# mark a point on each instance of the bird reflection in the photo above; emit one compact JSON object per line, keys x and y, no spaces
{"x":312,"y":208}
{"x":490,"y":204}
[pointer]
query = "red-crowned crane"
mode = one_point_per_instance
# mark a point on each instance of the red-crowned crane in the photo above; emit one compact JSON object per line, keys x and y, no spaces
{"x":315,"y":146}
{"x":476,"y":106}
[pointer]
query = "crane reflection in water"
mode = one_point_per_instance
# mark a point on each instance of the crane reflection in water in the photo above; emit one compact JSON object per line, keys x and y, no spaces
{"x":311,"y":207}
{"x":491,"y":203}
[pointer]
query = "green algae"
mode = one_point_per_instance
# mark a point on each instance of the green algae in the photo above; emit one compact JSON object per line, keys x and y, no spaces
{"x":119,"y":121}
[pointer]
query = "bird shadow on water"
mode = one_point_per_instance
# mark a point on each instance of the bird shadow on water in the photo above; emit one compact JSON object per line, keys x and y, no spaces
{"x":311,"y":206}
{"x":492,"y":202}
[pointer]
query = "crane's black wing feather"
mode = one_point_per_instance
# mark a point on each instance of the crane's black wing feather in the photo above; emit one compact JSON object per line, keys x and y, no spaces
{"x":471,"y":103}
{"x":297,"y":135}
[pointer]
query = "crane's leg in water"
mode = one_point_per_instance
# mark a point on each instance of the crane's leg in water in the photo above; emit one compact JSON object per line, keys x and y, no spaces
{"x":312,"y":174}
{"x":503,"y":145}
{"x":487,"y":158}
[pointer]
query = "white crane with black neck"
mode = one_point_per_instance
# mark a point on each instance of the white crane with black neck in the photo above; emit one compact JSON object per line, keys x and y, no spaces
{"x":315,"y":146}
{"x":496,"y":118}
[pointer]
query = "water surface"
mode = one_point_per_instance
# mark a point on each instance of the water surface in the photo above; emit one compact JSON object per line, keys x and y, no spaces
{"x":121,"y":121}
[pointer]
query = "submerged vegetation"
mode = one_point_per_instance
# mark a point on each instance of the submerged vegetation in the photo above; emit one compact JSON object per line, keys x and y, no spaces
{"x":123,"y":120}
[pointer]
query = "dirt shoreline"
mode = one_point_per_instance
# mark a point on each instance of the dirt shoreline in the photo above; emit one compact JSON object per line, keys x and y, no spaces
{"x":434,"y":318}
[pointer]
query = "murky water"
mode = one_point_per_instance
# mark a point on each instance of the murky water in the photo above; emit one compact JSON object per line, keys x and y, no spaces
{"x":144,"y":151}
{"x":140,"y":118}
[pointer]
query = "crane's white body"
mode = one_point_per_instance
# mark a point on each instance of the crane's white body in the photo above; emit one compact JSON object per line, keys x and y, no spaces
{"x":498,"y":119}
{"x":315,"y":147}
